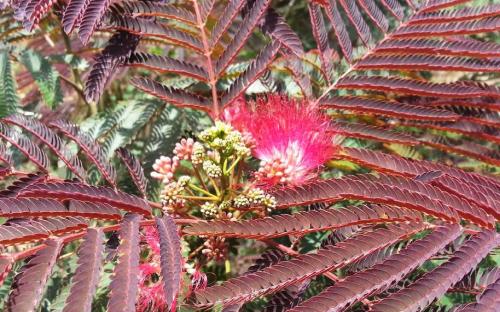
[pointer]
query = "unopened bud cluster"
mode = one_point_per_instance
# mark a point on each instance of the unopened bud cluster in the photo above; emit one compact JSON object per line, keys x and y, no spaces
{"x":255,"y":196}
{"x":224,"y":138}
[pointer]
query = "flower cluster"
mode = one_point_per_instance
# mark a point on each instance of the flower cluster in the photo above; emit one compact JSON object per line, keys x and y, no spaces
{"x":290,"y":138}
{"x":215,"y":181}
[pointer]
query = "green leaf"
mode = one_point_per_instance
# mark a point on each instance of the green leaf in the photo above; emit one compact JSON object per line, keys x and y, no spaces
{"x":45,"y":76}
{"x":9,"y":101}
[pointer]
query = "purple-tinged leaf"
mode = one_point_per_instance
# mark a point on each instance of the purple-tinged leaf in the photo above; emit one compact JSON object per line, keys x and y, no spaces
{"x":134,"y":168}
{"x":91,"y":148}
{"x":29,"y":284}
{"x":125,"y":279}
{"x":435,"y":283}
{"x":86,"y":278}
{"x":171,"y":258}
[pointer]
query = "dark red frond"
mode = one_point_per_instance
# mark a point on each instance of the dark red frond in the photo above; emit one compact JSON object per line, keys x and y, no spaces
{"x":143,"y":27}
{"x":285,"y":273}
{"x":49,"y":138}
{"x":134,"y":168}
{"x":367,"y":188}
{"x":268,"y":258}
{"x":489,"y":24}
{"x":125,"y":280}
{"x":434,"y":5}
{"x":483,"y":198}
{"x":416,"y":87}
{"x":409,"y":62}
{"x":165,"y":64}
{"x":380,"y":276}
{"x":206,"y":7}
{"x":387,"y":108}
{"x":22,"y":183}
{"x":394,"y":8}
{"x":363,"y":131}
{"x":26,"y":146}
{"x":435,"y":283}
{"x":117,"y":51}
{"x":156,"y":9}
{"x":339,"y":28}
{"x":245,"y":29}
{"x":91,"y":19}
{"x":86,"y":278}
{"x":73,"y":13}
{"x":6,"y":262}
{"x":91,"y":148}
{"x":230,"y":12}
{"x":276,"y":27}
{"x":34,"y":12}
{"x":22,"y":208}
{"x":472,"y":48}
{"x":253,"y":72}
{"x":29,"y":283}
{"x":486,"y":301}
{"x":5,"y":156}
{"x":171,"y":258}
{"x":462,"y":147}
{"x":375,"y":14}
{"x":462,"y":14}
{"x":26,"y":230}
{"x":175,"y":96}
{"x":83,"y":192}
{"x":93,"y":210}
{"x":320,"y":33}
{"x":303,"y":222}
{"x":352,"y":11}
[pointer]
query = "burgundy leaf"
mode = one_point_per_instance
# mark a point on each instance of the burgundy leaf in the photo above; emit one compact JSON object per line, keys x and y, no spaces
{"x":462,"y":14}
{"x":26,"y":230}
{"x":339,"y":28}
{"x":473,"y":48}
{"x":86,"y":278}
{"x":387,"y":108}
{"x":354,"y":15}
{"x":326,"y":53}
{"x":171,"y":258}
{"x":364,"y":131}
{"x":240,"y":38}
{"x":156,"y":9}
{"x":303,"y":222}
{"x":125,"y":279}
{"x":134,"y":168}
{"x":94,"y":12}
{"x":178,"y":97}
{"x":416,"y":87}
{"x":428,"y":62}
{"x":49,"y":138}
{"x":435,"y":283}
{"x":116,"y":53}
{"x":142,"y":27}
{"x":375,"y":14}
{"x":380,"y":276}
{"x":252,"y":73}
{"x":165,"y":64}
{"x":91,"y":148}
{"x":29,"y":283}
{"x":83,"y":192}
{"x":271,"y":279}
{"x":227,"y":17}
{"x":489,"y":24}
{"x":73,"y":14}
{"x":26,"y":146}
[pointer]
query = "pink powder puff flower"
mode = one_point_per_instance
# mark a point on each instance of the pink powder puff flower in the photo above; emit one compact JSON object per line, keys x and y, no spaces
{"x":164,"y":168}
{"x":184,"y":149}
{"x":291,"y":138}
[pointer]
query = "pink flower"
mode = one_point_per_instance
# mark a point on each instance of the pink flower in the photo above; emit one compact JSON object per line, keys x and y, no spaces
{"x":291,"y":139}
{"x":184,"y":149}
{"x":164,"y":168}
